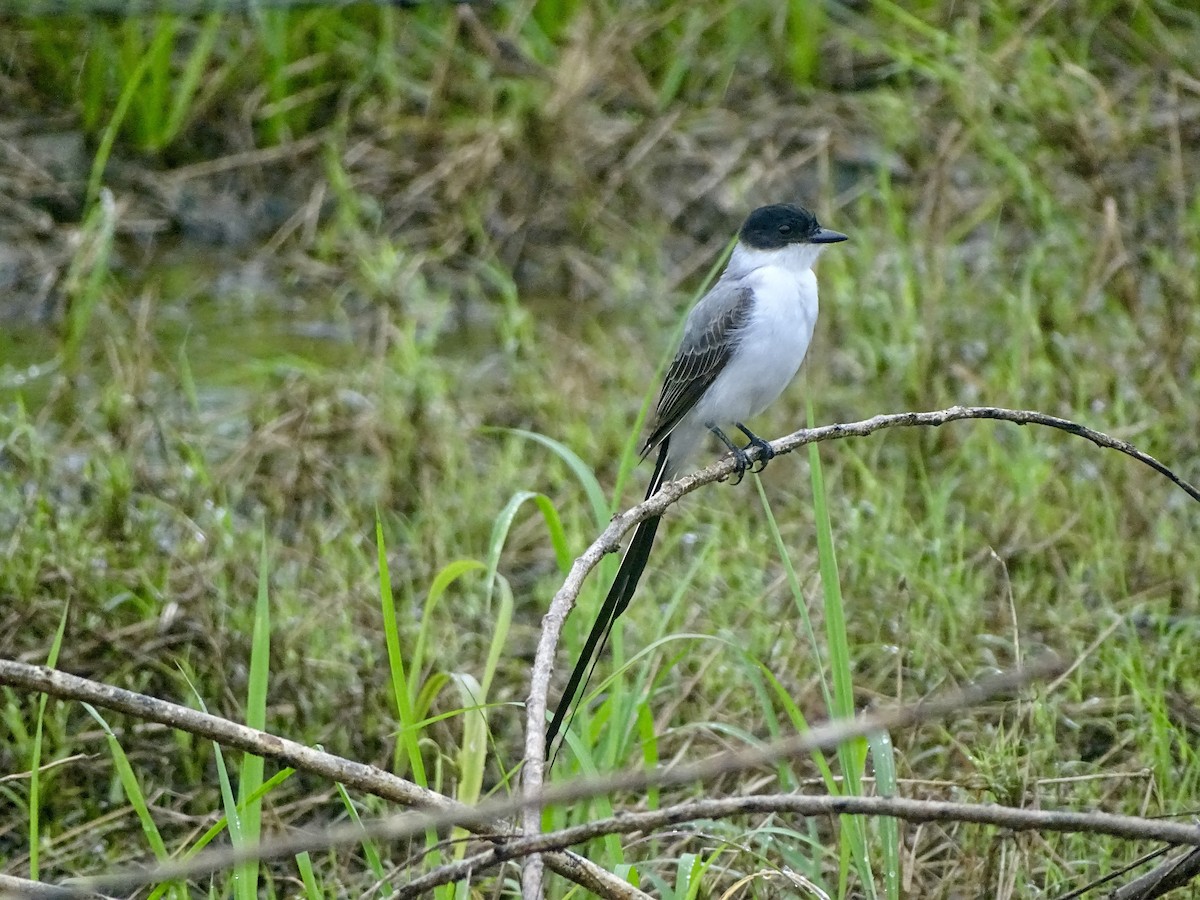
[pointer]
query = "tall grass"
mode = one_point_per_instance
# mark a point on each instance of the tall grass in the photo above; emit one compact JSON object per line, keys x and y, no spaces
{"x":1017,"y":187}
{"x":147,"y":78}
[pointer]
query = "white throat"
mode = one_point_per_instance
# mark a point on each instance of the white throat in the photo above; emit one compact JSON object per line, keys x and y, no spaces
{"x":796,"y":258}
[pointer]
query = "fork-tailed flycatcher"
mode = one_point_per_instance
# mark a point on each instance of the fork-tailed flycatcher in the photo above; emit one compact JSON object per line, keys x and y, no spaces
{"x":742,"y":345}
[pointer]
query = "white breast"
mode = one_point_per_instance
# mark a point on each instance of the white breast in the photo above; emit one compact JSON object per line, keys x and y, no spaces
{"x":770,"y":350}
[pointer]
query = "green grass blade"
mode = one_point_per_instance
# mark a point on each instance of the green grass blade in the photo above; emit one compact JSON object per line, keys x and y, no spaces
{"x":233,"y":817}
{"x":133,"y":792}
{"x":883,"y":755}
{"x":35,"y":762}
{"x":835,"y":614}
{"x":408,"y":738}
{"x":433,"y":685}
{"x":800,"y":723}
{"x":851,"y":754}
{"x":215,"y":830}
{"x":806,"y":27}
{"x":232,"y":820}
{"x":503,"y":524}
{"x":441,"y":582}
{"x":472,"y":756}
{"x":311,"y":889}
{"x":251,"y":780}
{"x":472,"y":753}
{"x":581,"y":470}
{"x":189,"y":82}
{"x":109,"y":136}
{"x":500,"y":627}
{"x":150,"y":117}
{"x":649,"y":741}
{"x":796,"y":592}
{"x":558,"y":535}
{"x":370,"y":849}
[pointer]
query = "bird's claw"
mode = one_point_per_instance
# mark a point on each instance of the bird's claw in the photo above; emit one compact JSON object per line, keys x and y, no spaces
{"x":741,"y":459}
{"x":741,"y":463}
{"x":765,"y":453}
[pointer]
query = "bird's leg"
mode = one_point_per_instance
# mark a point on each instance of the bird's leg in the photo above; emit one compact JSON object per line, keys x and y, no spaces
{"x":741,"y":461}
{"x":765,"y":451}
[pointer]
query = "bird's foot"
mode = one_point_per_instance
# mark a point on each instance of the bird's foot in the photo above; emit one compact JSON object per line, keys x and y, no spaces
{"x":765,"y":452}
{"x":741,"y":462}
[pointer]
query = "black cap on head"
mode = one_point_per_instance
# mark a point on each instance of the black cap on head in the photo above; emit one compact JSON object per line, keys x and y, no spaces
{"x":776,"y":226}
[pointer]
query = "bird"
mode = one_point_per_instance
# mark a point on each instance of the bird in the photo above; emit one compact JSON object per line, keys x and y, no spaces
{"x":742,"y":345}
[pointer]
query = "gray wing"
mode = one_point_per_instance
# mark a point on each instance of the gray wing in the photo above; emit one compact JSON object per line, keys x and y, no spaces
{"x":709,"y":339}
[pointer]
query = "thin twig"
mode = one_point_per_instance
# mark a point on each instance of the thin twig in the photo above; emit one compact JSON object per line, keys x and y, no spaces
{"x":918,"y":811}
{"x":482,"y":818}
{"x":368,"y":779}
{"x":13,"y":887}
{"x":1116,"y":873}
{"x":609,"y":541}
{"x":1173,"y":873}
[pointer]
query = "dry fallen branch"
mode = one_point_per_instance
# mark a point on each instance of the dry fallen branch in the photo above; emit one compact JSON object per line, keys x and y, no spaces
{"x":344,"y":771}
{"x":917,"y":811}
{"x":481,"y":819}
{"x":609,"y":541}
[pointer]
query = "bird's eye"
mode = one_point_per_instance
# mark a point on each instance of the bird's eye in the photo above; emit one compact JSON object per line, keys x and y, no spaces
{"x":785,"y":229}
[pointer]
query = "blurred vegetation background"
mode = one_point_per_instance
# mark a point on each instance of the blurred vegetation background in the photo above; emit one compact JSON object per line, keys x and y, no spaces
{"x":268,"y":271}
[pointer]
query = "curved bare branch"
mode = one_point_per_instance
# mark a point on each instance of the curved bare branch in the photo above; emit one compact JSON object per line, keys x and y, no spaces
{"x":609,"y":540}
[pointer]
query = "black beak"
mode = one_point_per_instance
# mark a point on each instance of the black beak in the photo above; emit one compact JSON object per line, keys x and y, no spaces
{"x":825,"y":236}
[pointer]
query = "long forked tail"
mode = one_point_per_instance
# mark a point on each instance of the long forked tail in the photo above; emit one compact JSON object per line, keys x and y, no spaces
{"x":619,"y":595}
